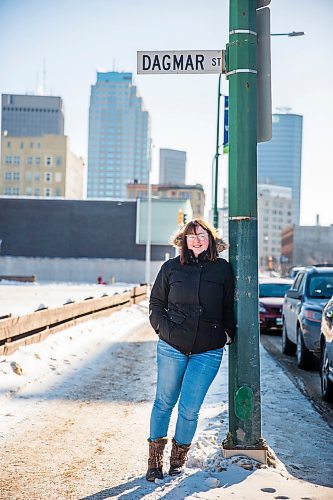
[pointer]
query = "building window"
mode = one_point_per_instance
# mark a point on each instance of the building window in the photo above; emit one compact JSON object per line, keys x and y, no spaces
{"x":21,"y":145}
{"x":31,"y":144}
{"x":48,"y":161}
{"x":8,"y":176}
{"x":48,"y":177}
{"x":58,"y":161}
{"x":37,"y":160}
{"x":17,"y":160}
{"x":16,"y":176}
{"x":28,"y":176}
{"x":28,"y":191}
{"x":37,"y":192}
{"x":57,"y":177}
{"x":8,"y":190}
{"x":8,"y":160}
{"x":47,"y":192}
{"x":16,"y":191}
{"x":37,"y":176}
{"x":29,"y":160}
{"x":58,"y":192}
{"x":8,"y":144}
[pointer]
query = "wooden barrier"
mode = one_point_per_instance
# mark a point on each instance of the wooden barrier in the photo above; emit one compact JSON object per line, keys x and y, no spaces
{"x":23,"y":279}
{"x":36,"y":326}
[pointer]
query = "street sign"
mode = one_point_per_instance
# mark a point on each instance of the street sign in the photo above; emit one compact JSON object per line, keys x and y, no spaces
{"x":181,"y":62}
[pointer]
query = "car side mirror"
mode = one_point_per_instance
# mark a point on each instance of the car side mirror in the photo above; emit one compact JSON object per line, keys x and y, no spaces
{"x":293,"y":294}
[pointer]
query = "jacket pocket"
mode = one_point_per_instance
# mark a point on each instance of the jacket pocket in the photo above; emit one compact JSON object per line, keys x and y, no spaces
{"x":218,"y":337}
{"x":176,"y":317}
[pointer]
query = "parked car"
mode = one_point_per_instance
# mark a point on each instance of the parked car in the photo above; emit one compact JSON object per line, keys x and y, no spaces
{"x":295,"y":270}
{"x":326,"y":352}
{"x":302,"y":311}
{"x":271,"y":293}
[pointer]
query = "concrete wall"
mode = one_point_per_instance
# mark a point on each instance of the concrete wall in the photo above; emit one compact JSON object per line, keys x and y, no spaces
{"x":312,"y":245}
{"x":78,"y":270}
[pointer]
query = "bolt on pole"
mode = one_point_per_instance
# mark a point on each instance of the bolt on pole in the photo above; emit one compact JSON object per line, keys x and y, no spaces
{"x":244,"y":361}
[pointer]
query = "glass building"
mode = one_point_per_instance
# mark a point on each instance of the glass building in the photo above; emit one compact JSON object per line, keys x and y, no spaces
{"x":119,"y":147}
{"x":31,"y":115}
{"x":280,"y":160}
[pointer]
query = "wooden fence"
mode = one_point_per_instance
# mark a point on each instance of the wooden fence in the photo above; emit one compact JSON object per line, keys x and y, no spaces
{"x":36,"y":326}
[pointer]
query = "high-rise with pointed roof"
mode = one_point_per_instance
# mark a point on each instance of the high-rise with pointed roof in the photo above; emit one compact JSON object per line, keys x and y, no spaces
{"x":119,"y":148}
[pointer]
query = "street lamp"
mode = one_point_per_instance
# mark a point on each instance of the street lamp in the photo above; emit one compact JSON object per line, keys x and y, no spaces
{"x":291,"y":33}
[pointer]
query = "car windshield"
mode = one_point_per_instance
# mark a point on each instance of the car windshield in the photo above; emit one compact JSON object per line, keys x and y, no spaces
{"x":321,"y":287}
{"x":273,"y":289}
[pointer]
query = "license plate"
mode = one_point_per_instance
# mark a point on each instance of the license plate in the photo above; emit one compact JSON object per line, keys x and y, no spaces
{"x":278,"y":321}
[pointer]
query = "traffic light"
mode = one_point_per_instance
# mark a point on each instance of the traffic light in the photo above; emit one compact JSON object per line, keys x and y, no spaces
{"x":184,"y":218}
{"x":180,"y":217}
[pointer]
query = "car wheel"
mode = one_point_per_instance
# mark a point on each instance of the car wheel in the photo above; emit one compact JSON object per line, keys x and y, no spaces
{"x":326,"y":384}
{"x":288,"y":347}
{"x":303,"y":355}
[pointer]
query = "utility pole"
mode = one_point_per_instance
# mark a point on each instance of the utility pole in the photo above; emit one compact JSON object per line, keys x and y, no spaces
{"x":216,"y":176}
{"x":244,"y":435}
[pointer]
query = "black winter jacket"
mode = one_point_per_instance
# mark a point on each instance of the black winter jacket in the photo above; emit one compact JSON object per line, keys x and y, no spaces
{"x":191,"y":305}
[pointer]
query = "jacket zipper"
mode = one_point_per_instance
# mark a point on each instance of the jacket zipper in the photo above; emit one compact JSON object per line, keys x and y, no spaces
{"x":196,"y":333}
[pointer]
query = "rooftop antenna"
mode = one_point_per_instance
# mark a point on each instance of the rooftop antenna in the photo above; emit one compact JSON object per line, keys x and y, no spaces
{"x":44,"y":77}
{"x":284,"y":109}
{"x":37,"y":81}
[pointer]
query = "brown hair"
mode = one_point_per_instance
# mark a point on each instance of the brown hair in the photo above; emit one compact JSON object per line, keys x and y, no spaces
{"x":215,"y":246}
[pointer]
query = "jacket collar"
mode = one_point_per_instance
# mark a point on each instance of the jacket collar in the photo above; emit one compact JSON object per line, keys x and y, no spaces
{"x":192,"y":259}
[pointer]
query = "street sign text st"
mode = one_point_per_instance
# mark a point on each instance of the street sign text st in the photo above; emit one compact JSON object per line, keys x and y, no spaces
{"x":181,"y":62}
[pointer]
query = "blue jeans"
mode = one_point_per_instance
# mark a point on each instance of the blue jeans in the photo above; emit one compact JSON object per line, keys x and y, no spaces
{"x":187,"y":376}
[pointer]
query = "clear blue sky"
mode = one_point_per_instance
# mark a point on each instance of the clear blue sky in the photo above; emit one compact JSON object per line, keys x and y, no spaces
{"x":78,"y":37}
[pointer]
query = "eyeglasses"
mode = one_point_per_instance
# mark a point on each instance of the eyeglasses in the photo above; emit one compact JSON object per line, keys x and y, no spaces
{"x":193,"y":237}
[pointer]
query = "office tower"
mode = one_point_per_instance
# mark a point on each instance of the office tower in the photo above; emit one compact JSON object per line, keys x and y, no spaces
{"x":274,"y":216}
{"x":31,"y":115}
{"x":119,"y":148}
{"x":280,"y":160}
{"x":40,"y":166}
{"x":172,"y":166}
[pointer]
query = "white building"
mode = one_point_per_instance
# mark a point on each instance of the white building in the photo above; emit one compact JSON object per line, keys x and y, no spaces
{"x":275,"y":213}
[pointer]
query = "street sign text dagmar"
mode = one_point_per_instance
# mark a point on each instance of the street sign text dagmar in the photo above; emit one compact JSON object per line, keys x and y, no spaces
{"x":181,"y":62}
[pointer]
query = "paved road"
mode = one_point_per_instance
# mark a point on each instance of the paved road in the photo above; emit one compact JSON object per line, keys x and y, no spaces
{"x":307,"y":381}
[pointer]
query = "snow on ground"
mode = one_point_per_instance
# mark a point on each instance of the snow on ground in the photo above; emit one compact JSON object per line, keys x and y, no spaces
{"x":292,"y":427}
{"x":23,"y":298}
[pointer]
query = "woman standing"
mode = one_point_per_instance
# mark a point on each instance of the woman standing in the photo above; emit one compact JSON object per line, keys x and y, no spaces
{"x":191,"y":310}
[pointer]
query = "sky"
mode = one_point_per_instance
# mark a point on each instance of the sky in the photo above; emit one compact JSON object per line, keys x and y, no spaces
{"x":72,"y":39}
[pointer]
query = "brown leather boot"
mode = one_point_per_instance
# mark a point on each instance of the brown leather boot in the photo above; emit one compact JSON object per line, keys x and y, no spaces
{"x":155,"y":460}
{"x":178,"y":457}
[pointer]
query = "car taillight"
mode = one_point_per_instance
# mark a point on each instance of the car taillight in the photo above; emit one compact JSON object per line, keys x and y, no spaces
{"x":312,"y":315}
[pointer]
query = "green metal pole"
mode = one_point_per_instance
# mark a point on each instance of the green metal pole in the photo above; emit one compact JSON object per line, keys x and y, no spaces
{"x":216,"y":176}
{"x":244,"y":361}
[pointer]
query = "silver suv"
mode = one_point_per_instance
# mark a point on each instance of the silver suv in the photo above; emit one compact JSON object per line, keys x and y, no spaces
{"x":301,"y":314}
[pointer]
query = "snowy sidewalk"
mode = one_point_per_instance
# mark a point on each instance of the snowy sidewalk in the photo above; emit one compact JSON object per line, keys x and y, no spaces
{"x":83,"y":401}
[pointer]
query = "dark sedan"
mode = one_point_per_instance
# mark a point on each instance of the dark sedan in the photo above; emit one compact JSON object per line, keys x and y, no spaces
{"x":326,"y":351}
{"x":271,"y":293}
